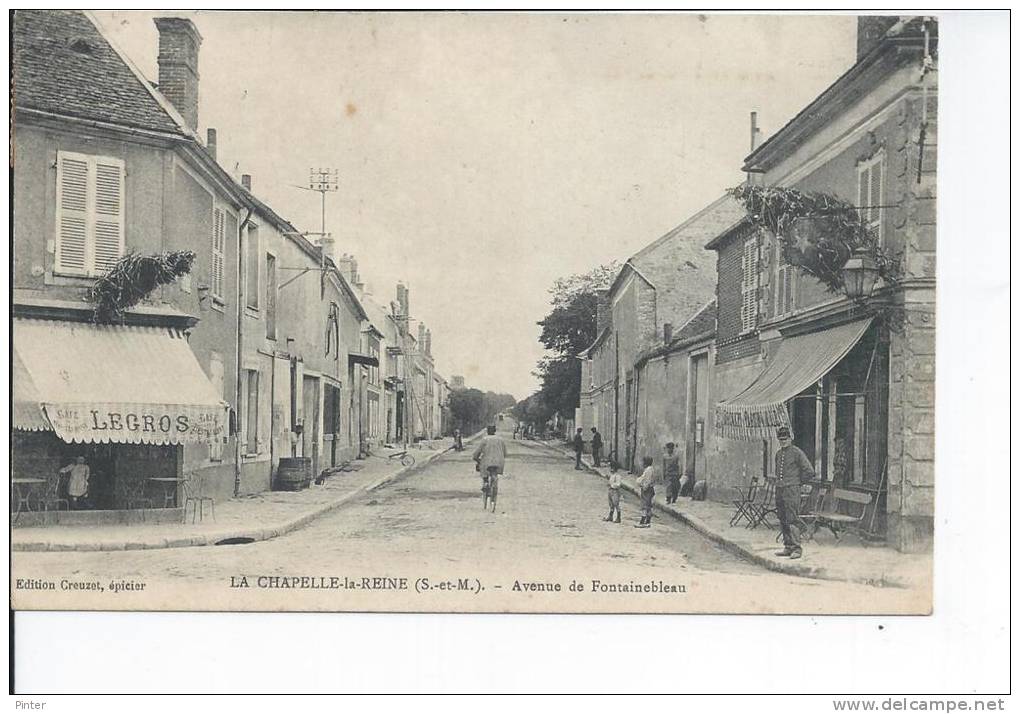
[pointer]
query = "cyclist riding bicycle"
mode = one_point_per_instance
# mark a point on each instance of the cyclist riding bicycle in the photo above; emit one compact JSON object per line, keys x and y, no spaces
{"x":490,"y":457}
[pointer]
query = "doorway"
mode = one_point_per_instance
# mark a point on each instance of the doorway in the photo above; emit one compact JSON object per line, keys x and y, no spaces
{"x":697,"y":414}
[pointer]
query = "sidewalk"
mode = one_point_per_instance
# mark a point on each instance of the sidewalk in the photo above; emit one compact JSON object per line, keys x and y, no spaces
{"x":824,"y":558}
{"x":257,"y":517}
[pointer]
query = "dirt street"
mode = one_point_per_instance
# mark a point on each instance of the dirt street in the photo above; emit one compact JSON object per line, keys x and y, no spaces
{"x":424,"y":543}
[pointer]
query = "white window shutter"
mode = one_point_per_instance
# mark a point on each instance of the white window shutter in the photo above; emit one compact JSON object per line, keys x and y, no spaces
{"x":108,"y":213}
{"x":864,"y":191}
{"x":749,"y":285}
{"x":875,"y":197}
{"x":72,"y":254}
{"x":218,"y":244}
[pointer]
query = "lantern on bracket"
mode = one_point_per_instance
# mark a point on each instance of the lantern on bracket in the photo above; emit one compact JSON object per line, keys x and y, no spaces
{"x":860,"y":274}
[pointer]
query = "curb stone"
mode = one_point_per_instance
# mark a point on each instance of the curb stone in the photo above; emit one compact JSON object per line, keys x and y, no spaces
{"x":268,"y":533}
{"x":788,"y":568}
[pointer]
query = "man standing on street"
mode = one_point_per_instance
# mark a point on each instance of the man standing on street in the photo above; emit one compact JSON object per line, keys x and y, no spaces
{"x":596,"y":447}
{"x":578,"y":449}
{"x":671,"y":472}
{"x":792,"y":469}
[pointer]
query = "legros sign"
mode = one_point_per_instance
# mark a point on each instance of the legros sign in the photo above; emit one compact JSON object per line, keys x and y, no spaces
{"x":137,"y":424}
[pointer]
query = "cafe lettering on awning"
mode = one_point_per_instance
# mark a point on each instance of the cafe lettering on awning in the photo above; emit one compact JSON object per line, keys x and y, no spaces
{"x":118,"y":384}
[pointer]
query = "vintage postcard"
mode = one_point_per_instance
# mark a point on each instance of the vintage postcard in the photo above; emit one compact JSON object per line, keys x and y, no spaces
{"x":472,"y":312}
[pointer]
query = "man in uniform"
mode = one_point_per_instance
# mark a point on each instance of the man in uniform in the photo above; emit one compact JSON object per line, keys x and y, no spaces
{"x":792,"y":469}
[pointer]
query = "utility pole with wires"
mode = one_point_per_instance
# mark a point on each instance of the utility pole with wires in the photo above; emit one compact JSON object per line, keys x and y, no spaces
{"x":322,"y":181}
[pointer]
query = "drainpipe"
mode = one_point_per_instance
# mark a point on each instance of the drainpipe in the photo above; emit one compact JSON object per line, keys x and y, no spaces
{"x":240,"y":338}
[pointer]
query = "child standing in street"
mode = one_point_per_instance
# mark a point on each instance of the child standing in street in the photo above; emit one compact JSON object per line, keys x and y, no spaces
{"x":646,"y":484}
{"x":615,"y":482}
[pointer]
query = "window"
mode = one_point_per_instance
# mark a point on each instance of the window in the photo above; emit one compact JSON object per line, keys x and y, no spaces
{"x":749,"y":285}
{"x":251,"y":268}
{"x":90,"y":214}
{"x":270,"y":296}
{"x":784,"y":293}
{"x":251,"y":421}
{"x":219,"y":246}
{"x":870,"y":182}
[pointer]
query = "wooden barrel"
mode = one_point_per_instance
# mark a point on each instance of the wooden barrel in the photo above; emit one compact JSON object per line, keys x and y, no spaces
{"x":294,"y":474}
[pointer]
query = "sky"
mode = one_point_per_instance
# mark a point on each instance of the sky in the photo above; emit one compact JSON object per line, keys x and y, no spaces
{"x":483,"y":156}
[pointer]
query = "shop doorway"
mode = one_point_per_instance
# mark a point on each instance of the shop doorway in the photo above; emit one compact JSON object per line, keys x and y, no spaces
{"x":697,"y":414}
{"x":310,"y":428}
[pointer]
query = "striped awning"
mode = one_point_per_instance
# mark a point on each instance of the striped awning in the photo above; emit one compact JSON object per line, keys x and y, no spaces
{"x":28,"y":413}
{"x":114,"y":384}
{"x":799,"y":362}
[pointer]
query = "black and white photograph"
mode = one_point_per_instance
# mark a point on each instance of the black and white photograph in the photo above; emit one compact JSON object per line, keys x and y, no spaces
{"x":502,"y":313}
{"x":395,"y":320}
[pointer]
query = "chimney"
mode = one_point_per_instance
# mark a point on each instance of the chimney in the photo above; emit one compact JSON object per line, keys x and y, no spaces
{"x":394,"y":309}
{"x":428,"y":342}
{"x":870,"y":31}
{"x":603,"y":312}
{"x":210,"y":142}
{"x":667,"y":333}
{"x":343,"y":264}
{"x":179,"y":42}
{"x":246,"y":182}
{"x":755,"y":131}
{"x":404,"y":300}
{"x":326,"y":243}
{"x":355,"y":278}
{"x":421,"y":335}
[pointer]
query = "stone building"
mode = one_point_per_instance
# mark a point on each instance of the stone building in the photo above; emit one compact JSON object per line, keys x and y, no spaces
{"x":106,"y":165}
{"x":661,"y":286}
{"x":854,"y":379}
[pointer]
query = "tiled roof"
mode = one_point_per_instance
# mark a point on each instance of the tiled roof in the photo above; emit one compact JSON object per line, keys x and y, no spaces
{"x":703,"y":322}
{"x":64,"y":65}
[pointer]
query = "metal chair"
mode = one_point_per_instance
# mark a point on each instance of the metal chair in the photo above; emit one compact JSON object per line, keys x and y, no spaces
{"x":193,"y":494}
{"x":743,"y":502}
{"x":765,"y":506}
{"x":51,"y":498}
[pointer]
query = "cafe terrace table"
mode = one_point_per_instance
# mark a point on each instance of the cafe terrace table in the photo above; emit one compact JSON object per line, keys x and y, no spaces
{"x":169,"y":485}
{"x":23,"y":493}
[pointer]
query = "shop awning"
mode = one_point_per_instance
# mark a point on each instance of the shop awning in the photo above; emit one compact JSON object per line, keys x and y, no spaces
{"x":116,"y":383}
{"x":799,"y":362}
{"x":28,"y":413}
{"x":359,"y":358}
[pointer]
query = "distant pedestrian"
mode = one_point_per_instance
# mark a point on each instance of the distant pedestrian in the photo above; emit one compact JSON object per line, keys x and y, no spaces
{"x":78,"y":483}
{"x":671,"y":472}
{"x":596,"y":447}
{"x":458,"y":441}
{"x":578,"y":449}
{"x":792,"y":469}
{"x":646,"y":485}
{"x":615,"y":482}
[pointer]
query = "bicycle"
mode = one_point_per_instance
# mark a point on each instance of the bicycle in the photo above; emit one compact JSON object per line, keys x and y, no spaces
{"x":490,"y":489}
{"x":405,"y":458}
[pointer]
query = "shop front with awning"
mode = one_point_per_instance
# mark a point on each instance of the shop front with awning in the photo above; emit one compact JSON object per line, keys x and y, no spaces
{"x":125,"y":399}
{"x":830,"y":387}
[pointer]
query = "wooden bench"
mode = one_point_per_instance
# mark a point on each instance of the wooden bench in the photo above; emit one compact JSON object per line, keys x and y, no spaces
{"x":854,"y":502}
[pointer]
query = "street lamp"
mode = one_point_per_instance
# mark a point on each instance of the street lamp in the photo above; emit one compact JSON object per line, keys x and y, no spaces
{"x":860,"y":273}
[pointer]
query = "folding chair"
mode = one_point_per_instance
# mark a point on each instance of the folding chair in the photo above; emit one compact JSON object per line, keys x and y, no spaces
{"x":742,"y":504}
{"x":765,"y":506}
